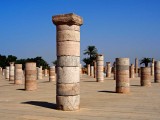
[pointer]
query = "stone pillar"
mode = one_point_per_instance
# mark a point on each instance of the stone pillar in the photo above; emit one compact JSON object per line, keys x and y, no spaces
{"x":122,"y":75}
{"x":100,"y":65}
{"x":88,"y":69}
{"x":68,"y":57}
{"x":157,"y":71}
{"x":18,"y":74}
{"x":152,"y":67}
{"x":139,"y":72}
{"x":114,"y":70}
{"x":11,"y":71}
{"x":3,"y":72}
{"x":145,"y":76}
{"x":7,"y":72}
{"x":52,"y":74}
{"x":30,"y":76}
{"x":92,"y":71}
{"x":45,"y":72}
{"x":0,"y":71}
{"x":39,"y":73}
{"x":108,"y":69}
{"x":136,"y":65}
{"x":131,"y":69}
{"x":95,"y":68}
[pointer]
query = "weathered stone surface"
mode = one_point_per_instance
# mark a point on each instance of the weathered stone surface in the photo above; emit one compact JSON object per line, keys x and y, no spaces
{"x":68,"y":35}
{"x":99,"y":68}
{"x":145,"y":76}
{"x":92,"y":71}
{"x":68,"y":103}
{"x":68,"y":89}
{"x":7,"y":72}
{"x":95,"y":68}
{"x":68,"y":74}
{"x":157,"y":72}
{"x":131,"y":68}
{"x":30,"y":76}
{"x":122,"y":75}
{"x":88,"y":70}
{"x":45,"y":72}
{"x":108,"y":69}
{"x":68,"y":61}
{"x":152,"y":69}
{"x":136,"y":65}
{"x":18,"y":74}
{"x":11,"y":72}
{"x":52,"y":74}
{"x":67,"y":19}
{"x":69,"y":48}
{"x":68,"y":27}
{"x":39,"y":73}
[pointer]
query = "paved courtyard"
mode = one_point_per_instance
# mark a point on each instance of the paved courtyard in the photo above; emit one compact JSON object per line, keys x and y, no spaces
{"x":98,"y":101}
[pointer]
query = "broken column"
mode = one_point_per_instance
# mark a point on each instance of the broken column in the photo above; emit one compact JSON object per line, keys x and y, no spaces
{"x":11,"y":71}
{"x":30,"y":76}
{"x":7,"y":72}
{"x":100,"y":66}
{"x":145,"y":76}
{"x":95,"y":66}
{"x":18,"y":74}
{"x":108,"y":69}
{"x":136,"y":65}
{"x":39,"y":73}
{"x":131,"y":69}
{"x":152,"y":67}
{"x":122,"y":75}
{"x":52,"y":74}
{"x":157,"y":71}
{"x":45,"y":72}
{"x":68,"y":57}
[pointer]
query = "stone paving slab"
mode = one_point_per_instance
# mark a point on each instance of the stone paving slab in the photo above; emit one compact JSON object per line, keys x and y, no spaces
{"x":98,"y":101}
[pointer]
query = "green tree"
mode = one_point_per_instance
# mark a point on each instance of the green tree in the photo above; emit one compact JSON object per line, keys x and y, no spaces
{"x":54,"y":62}
{"x":3,"y":61}
{"x":92,"y":52}
{"x":145,"y":61}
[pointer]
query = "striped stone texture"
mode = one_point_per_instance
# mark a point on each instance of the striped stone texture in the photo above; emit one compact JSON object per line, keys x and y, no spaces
{"x":131,"y":71}
{"x":18,"y":74}
{"x":122,"y":75}
{"x":145,"y":76}
{"x":52,"y":74}
{"x":108,"y":69}
{"x":11,"y":71}
{"x":157,"y":71}
{"x":100,"y":66}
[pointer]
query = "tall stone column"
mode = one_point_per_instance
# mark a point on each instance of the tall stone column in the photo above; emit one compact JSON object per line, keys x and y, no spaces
{"x":88,"y":69}
{"x":131,"y":69}
{"x":68,"y":57}
{"x":39,"y":73}
{"x":122,"y":75}
{"x":95,"y":68}
{"x":136,"y":65}
{"x":152,"y":67}
{"x":11,"y":71}
{"x":100,"y":66}
{"x":108,"y":69}
{"x":145,"y":76}
{"x":30,"y":76}
{"x":18,"y":74}
{"x":157,"y":71}
{"x":7,"y":72}
{"x":52,"y":74}
{"x":92,"y":71}
{"x":45,"y":72}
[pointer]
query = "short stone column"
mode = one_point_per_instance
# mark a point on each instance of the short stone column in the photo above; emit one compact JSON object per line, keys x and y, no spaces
{"x":68,"y":58}
{"x":39,"y":73}
{"x":136,"y":65}
{"x":11,"y":71}
{"x":108,"y":69}
{"x":0,"y":71}
{"x":88,"y":69}
{"x":7,"y":72}
{"x":95,"y":68}
{"x":122,"y":75}
{"x":18,"y":74}
{"x":145,"y":76}
{"x":157,"y":71}
{"x":45,"y":72}
{"x":131,"y":70}
{"x":92,"y":71}
{"x":114,"y":70}
{"x":30,"y":76}
{"x":3,"y":72}
{"x":152,"y":67}
{"x":100,"y":66}
{"x":52,"y":74}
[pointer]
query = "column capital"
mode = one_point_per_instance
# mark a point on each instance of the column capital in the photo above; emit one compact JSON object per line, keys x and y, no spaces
{"x":67,"y":19}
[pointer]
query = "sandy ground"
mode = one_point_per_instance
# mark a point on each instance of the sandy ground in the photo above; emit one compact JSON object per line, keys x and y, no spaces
{"x":98,"y":101}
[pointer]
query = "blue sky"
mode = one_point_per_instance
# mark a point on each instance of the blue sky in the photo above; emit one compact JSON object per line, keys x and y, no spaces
{"x":118,"y":28}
